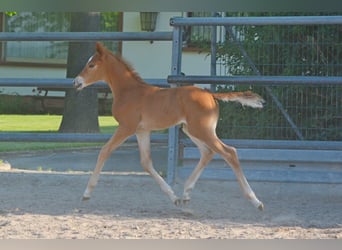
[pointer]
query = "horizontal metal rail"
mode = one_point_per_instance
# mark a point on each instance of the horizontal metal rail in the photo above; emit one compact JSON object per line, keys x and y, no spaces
{"x":65,"y":83}
{"x":276,"y":144}
{"x":70,"y":137}
{"x":85,"y":36}
{"x":276,"y":20}
{"x":279,"y":175}
{"x":258,"y":80}
{"x":162,"y":138}
{"x":62,"y":83}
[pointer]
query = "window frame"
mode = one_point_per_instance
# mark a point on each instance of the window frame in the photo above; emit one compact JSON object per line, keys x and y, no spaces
{"x":192,"y":46}
{"x":41,"y":62}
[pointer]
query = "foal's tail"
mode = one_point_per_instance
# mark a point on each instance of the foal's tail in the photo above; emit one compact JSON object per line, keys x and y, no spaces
{"x":246,"y":98}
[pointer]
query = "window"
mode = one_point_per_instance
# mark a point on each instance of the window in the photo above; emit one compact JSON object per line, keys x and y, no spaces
{"x":197,"y":37}
{"x":46,"y":52}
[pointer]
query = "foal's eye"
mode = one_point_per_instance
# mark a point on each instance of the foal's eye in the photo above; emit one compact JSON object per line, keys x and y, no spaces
{"x":91,"y":65}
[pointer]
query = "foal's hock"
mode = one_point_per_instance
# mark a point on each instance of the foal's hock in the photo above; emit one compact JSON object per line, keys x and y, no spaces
{"x":140,"y":108}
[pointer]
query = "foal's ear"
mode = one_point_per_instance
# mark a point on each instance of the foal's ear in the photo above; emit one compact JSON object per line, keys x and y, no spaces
{"x":100,"y":49}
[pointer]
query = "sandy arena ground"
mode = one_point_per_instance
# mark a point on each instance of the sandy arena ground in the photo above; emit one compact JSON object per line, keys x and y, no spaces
{"x":47,"y":205}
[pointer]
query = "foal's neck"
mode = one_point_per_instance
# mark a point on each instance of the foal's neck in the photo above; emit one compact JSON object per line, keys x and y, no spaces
{"x":121,"y":75}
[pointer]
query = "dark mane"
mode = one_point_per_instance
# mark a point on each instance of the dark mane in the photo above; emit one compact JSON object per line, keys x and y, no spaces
{"x":130,"y":68}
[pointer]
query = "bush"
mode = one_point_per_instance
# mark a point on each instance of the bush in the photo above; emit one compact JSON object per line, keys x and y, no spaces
{"x":238,"y":122}
{"x":14,"y":104}
{"x":316,"y":111}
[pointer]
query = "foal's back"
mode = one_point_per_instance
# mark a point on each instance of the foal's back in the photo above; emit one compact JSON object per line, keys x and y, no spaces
{"x":162,"y":108}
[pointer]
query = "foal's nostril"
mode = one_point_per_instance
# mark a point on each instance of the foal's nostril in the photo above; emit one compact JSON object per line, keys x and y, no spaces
{"x":77,"y":85}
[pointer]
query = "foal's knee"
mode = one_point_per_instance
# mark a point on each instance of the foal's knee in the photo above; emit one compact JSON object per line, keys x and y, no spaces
{"x":233,"y":152}
{"x":104,"y":153}
{"x":232,"y":156}
{"x":208,"y":153}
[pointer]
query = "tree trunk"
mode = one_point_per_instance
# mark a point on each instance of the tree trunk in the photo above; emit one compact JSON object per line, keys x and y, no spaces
{"x":80,"y":108}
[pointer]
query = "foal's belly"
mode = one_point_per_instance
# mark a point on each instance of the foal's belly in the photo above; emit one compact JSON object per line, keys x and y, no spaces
{"x":152,"y":123}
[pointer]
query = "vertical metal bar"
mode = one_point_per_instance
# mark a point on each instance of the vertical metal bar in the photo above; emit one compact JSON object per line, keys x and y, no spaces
{"x":173,"y":143}
{"x":213,"y":53}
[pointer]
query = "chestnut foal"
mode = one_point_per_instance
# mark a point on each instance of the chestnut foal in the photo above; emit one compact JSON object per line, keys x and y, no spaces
{"x":140,"y":108}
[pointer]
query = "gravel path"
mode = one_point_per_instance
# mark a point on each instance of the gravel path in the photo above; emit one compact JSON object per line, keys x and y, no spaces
{"x":47,"y":205}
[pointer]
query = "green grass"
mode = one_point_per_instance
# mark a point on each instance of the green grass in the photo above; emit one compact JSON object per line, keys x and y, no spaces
{"x":31,"y":146}
{"x":44,"y":124}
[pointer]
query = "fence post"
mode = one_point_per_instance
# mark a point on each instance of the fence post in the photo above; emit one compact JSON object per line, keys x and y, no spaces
{"x":173,"y":144}
{"x":213,"y":52}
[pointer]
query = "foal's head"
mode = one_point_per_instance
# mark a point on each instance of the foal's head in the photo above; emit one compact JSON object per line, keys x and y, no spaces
{"x":93,"y":70}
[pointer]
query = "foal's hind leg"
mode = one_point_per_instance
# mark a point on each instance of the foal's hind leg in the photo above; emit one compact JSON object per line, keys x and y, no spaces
{"x":206,"y":156}
{"x":229,"y":154}
{"x":146,"y":162}
{"x":117,"y":139}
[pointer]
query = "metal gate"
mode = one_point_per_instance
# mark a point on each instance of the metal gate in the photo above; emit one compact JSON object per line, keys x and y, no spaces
{"x":267,"y":82}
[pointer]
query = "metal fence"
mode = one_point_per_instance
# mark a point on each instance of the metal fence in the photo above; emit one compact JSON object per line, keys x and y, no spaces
{"x":284,"y":50}
{"x":249,"y":53}
{"x":305,"y":55}
{"x":65,"y":83}
{"x":256,"y":76}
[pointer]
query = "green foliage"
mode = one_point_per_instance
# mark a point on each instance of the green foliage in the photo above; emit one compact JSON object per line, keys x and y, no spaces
{"x":49,"y":22}
{"x":56,"y":21}
{"x":10,"y":13}
{"x":110,"y":21}
{"x":311,"y":50}
{"x":317,"y":116}
{"x":314,"y":50}
{"x":238,"y":122}
{"x":14,"y":105}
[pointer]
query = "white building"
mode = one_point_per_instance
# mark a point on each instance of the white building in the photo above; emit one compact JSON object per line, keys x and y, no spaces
{"x":150,"y":60}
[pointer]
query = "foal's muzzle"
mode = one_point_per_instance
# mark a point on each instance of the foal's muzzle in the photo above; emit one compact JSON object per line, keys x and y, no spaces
{"x":78,"y":83}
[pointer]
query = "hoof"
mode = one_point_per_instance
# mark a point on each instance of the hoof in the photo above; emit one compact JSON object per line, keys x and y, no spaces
{"x":178,"y":202}
{"x":261,"y":207}
{"x":85,"y":198}
{"x":181,"y":202}
{"x":186,"y":201}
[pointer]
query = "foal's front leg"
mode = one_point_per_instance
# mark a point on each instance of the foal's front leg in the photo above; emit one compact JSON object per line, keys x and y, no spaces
{"x":146,"y":162}
{"x":117,"y":139}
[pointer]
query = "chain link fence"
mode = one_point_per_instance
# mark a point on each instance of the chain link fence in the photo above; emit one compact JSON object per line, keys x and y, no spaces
{"x":314,"y":111}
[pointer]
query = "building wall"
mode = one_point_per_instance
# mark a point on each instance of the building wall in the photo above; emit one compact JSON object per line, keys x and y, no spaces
{"x":28,"y":72}
{"x":150,"y":60}
{"x":153,"y":60}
